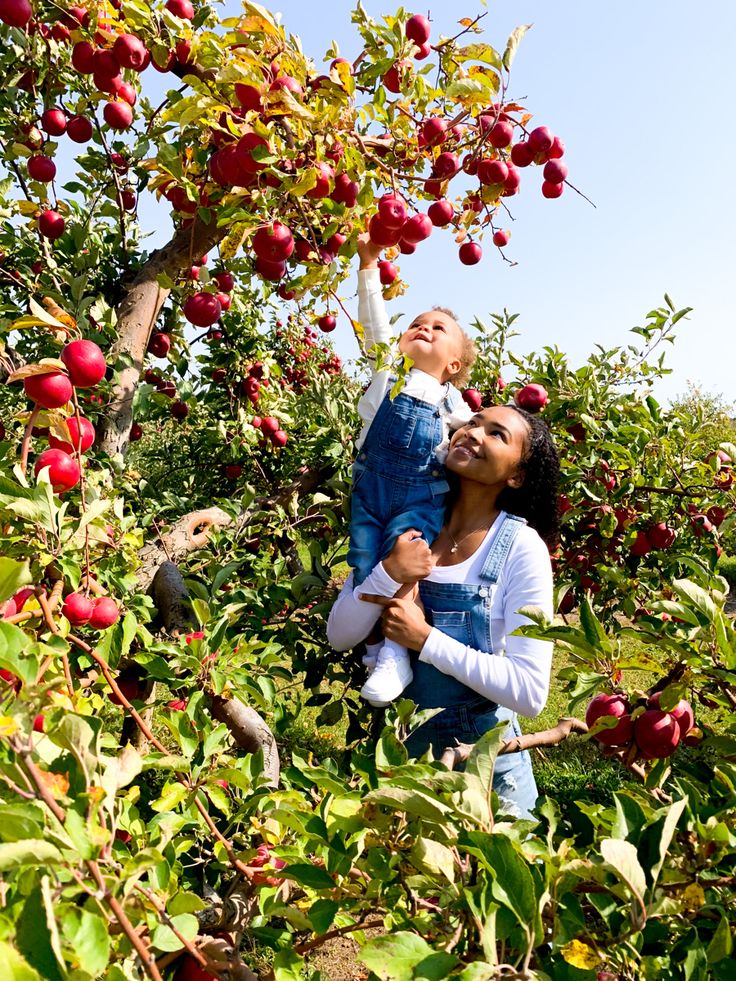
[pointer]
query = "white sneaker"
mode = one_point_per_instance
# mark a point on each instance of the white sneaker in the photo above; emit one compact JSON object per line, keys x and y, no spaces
{"x":388,"y":679}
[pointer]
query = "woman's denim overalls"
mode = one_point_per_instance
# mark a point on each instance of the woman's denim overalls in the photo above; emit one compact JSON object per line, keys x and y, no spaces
{"x":398,"y":482}
{"x":464,"y":612}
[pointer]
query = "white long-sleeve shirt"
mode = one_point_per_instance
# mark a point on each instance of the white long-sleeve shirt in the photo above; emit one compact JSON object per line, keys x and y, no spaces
{"x":517,"y":673}
{"x":420,"y":385}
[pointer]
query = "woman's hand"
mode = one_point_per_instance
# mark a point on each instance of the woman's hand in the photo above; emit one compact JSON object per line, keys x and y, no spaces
{"x":403,"y":619}
{"x":410,"y":559}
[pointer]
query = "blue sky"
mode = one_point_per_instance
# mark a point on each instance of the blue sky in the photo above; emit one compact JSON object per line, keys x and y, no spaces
{"x":641,"y":93}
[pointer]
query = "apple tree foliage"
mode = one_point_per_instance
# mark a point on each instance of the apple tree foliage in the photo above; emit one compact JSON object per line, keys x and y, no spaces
{"x":148,"y":821}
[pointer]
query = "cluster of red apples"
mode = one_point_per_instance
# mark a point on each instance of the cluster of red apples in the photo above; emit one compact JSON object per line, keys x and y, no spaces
{"x":51,"y":386}
{"x":646,"y":730}
{"x":105,"y":56}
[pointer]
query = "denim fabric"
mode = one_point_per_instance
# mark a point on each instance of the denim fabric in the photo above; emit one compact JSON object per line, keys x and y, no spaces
{"x":463,"y":612}
{"x":398,"y":483}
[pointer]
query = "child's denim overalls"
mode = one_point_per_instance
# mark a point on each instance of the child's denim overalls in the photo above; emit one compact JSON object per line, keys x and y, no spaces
{"x":464,"y":612}
{"x":398,"y":482}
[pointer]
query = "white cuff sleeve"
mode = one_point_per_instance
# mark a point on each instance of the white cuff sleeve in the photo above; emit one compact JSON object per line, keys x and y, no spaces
{"x":372,"y":309}
{"x":351,"y":618}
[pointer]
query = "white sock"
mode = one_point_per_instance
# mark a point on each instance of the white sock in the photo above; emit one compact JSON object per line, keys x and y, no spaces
{"x":371,"y":652}
{"x":397,"y":651}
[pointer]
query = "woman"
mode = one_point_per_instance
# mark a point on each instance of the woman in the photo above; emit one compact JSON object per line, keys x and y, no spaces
{"x":490,"y":559}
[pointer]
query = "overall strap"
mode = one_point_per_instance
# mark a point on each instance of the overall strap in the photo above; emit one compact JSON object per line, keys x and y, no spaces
{"x":504,"y":539}
{"x":451,"y":398}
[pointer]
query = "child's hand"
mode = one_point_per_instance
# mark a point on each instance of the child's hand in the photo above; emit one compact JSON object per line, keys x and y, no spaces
{"x":368,"y":251}
{"x":410,"y":559}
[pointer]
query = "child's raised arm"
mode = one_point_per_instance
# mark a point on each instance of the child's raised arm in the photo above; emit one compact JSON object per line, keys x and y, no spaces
{"x":372,"y":314}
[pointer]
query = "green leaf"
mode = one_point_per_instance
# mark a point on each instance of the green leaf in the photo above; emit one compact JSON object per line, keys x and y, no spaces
{"x":13,"y":967}
{"x":622,"y":857}
{"x":593,"y":628}
{"x":512,"y":885}
{"x":164,"y":938}
{"x":14,"y":654}
{"x":171,"y":798}
{"x":37,"y":934}
{"x":405,"y":956}
{"x":322,"y":915}
{"x":18,"y":821}
{"x":409,"y":801}
{"x":13,"y":575}
{"x":726,"y":638}
{"x":311,"y":876}
{"x":482,"y":759}
{"x":433,"y":857}
{"x":31,"y":851}
{"x":721,"y":943}
{"x":88,"y":936}
{"x":513,"y":43}
{"x":698,"y":597}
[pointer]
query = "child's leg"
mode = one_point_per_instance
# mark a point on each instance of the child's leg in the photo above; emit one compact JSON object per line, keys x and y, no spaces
{"x":392,"y":671}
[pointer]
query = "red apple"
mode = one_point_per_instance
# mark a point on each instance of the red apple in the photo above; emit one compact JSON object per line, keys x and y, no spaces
{"x":418,"y":29}
{"x":136,"y":432}
{"x":77,"y":609}
{"x":105,"y":613}
{"x":327,"y":323}
{"x":202,"y":309}
{"x":82,"y":436}
{"x":51,"y":224}
{"x":118,"y":115}
{"x":501,"y":134}
{"x":550,"y":190}
{"x":83,"y":57}
{"x":661,"y":535}
{"x":53,"y":121}
{"x":434,"y":131}
{"x":522,"y":154}
{"x":41,"y":168}
{"x":189,"y":969}
{"x":387,"y":272}
{"x":159,"y":344}
{"x":470,"y":253}
{"x":50,"y":390}
{"x":130,"y":688}
{"x":473,"y":398}
{"x":445,"y":166}
{"x":540,"y":139}
{"x":85,"y":363}
{"x":440,"y":213}
{"x":554,"y":171}
{"x":279,"y":438}
{"x":391,"y":211}
{"x":492,"y":171}
{"x":533,"y":398}
{"x":179,"y":409}
{"x":269,"y":425}
{"x":180,"y":8}
{"x":416,"y":229}
{"x":15,"y":13}
{"x":64,"y":471}
{"x":381,"y":235}
{"x":611,"y":705}
{"x":233,"y":470}
{"x":501,"y":238}
{"x":274,"y":242}
{"x":657,"y":734}
{"x":225,"y":281}
{"x":130,"y":52}
{"x":79,"y":129}
{"x":682,"y":712}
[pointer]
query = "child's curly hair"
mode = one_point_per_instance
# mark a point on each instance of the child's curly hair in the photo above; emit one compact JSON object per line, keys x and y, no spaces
{"x":468,"y":353}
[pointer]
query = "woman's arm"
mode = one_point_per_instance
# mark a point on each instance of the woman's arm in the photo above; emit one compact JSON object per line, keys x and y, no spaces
{"x":351,"y":619}
{"x":519,"y":678}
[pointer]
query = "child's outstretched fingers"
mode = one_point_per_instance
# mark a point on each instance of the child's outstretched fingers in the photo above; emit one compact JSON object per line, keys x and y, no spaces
{"x":368,"y":251}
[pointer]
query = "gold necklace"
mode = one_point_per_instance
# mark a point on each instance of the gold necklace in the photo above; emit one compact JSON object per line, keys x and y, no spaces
{"x":456,"y":544}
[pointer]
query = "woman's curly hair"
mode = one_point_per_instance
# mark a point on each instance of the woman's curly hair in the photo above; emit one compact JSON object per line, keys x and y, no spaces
{"x":537,"y":499}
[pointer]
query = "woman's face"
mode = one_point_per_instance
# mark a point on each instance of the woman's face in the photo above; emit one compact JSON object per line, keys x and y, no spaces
{"x":490,"y":448}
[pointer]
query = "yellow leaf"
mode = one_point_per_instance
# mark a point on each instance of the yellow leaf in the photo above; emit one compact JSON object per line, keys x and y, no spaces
{"x":580,"y":955}
{"x":307,"y":182}
{"x":233,"y":241}
{"x":465,"y":22}
{"x":56,"y":317}
{"x":693,"y":896}
{"x":57,"y":783}
{"x":8,"y":726}
{"x":42,"y":367}
{"x":29,"y":208}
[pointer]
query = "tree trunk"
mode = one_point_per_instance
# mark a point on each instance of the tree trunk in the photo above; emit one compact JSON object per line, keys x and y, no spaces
{"x":137,"y":315}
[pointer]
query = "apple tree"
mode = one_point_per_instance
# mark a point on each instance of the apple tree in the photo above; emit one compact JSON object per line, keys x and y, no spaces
{"x":176,"y":440}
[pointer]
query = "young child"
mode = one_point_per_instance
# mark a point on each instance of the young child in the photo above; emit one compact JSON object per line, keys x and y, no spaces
{"x":399,"y":481}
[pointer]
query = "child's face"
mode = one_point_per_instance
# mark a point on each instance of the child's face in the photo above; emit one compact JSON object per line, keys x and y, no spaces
{"x":434,"y":343}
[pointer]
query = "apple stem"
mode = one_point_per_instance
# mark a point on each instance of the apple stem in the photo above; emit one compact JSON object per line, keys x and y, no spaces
{"x":26,"y":445}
